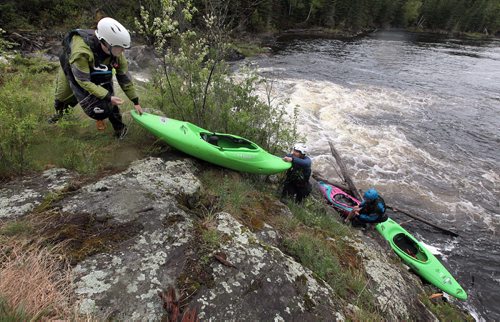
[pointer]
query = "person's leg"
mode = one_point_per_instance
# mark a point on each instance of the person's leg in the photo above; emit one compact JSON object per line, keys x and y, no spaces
{"x":113,"y":113}
{"x":302,"y":193}
{"x":116,"y":121}
{"x":100,"y":109}
{"x":288,"y":191}
{"x":63,"y":96}
{"x":299,"y":197}
{"x":362,"y":220}
{"x":357,"y":222}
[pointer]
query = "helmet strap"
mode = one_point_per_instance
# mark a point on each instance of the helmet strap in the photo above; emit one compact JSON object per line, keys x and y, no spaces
{"x":108,"y":47}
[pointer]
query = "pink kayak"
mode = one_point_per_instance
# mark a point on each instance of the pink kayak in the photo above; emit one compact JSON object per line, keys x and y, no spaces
{"x":338,"y":198}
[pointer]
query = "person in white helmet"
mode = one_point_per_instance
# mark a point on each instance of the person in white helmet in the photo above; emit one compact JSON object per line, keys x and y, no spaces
{"x":86,"y":74}
{"x":296,"y":183}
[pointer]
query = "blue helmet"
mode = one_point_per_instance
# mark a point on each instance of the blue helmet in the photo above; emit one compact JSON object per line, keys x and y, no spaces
{"x":371,"y":194}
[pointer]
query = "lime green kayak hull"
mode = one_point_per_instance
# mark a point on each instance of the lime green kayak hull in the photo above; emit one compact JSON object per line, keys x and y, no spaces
{"x":226,"y":150}
{"x":420,"y":259}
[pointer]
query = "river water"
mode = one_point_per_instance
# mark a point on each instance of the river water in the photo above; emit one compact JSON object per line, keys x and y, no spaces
{"x":418,"y":117}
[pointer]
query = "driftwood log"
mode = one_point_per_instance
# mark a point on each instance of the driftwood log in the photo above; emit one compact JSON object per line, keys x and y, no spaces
{"x":345,"y":173}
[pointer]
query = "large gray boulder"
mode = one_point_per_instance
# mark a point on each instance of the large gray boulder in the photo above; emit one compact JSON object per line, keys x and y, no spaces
{"x":125,"y":283}
{"x":264,"y":284}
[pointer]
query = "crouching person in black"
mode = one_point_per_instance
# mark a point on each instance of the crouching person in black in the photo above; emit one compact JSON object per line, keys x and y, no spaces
{"x":370,"y":211}
{"x":297,"y":178}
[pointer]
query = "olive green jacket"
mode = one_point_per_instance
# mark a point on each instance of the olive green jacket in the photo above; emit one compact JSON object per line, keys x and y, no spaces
{"x":82,"y":63}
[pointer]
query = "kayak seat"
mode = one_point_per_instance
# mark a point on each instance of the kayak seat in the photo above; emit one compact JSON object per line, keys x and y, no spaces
{"x":227,"y":141}
{"x":213,"y":139}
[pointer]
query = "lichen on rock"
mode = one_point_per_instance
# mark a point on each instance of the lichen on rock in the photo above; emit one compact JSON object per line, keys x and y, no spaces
{"x":263,"y":284}
{"x":21,"y":196}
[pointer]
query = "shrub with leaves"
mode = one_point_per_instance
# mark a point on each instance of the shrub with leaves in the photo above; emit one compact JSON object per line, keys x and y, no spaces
{"x":4,"y":44}
{"x":17,"y":125}
{"x":195,"y":84}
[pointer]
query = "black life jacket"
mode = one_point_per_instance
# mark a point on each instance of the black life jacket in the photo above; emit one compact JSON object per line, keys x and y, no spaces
{"x":298,"y":175}
{"x":373,"y":208}
{"x":100,"y":73}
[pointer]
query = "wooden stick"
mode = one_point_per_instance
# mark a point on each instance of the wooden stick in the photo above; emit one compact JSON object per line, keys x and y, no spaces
{"x":405,"y":222}
{"x":342,"y":185}
{"x":446,"y":231}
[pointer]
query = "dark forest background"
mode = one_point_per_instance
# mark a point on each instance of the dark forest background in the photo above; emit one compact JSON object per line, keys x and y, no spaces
{"x":258,"y":16}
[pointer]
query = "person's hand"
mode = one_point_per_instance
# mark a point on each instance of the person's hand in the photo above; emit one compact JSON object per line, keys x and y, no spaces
{"x":288,"y":159}
{"x":115,"y":100}
{"x":138,"y":108}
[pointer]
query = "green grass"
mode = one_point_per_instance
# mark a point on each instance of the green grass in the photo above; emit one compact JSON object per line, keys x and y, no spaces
{"x":313,"y":213}
{"x":445,"y":311}
{"x":231,"y":188}
{"x":211,"y":238}
{"x":9,"y":314}
{"x":28,"y":143}
{"x":16,"y":228}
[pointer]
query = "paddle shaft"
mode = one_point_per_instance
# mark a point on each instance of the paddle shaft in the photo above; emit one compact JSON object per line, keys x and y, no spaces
{"x":449,"y":232}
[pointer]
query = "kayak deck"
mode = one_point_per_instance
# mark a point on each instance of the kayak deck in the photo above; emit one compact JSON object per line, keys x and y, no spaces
{"x":419,"y":258}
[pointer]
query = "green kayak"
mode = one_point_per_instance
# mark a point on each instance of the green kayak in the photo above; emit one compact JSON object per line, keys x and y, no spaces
{"x":226,"y":150}
{"x":421,"y":260}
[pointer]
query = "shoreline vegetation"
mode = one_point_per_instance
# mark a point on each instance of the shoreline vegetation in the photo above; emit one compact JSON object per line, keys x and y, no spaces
{"x":243,"y":45}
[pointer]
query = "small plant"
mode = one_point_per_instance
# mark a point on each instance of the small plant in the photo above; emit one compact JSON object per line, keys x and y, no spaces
{"x":4,"y":44}
{"x":16,"y":228}
{"x":17,"y":127}
{"x":211,"y":238}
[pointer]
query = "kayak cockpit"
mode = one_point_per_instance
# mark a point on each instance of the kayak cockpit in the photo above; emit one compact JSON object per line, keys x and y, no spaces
{"x":345,"y":200}
{"x":408,"y":246}
{"x":227,"y":141}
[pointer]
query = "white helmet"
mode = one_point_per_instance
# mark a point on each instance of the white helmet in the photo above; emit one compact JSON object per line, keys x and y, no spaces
{"x":302,"y":148}
{"x":113,"y":33}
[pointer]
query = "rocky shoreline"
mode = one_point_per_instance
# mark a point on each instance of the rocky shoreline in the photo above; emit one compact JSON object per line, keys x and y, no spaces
{"x":245,"y":275}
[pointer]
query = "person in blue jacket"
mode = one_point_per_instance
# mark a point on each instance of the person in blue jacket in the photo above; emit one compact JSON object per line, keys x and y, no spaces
{"x":296,"y":183}
{"x":370,"y":211}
